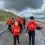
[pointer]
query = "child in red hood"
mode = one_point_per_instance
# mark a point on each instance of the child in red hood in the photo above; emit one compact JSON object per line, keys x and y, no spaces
{"x":16,"y":32}
{"x":20,"y":21}
{"x":9,"y":24}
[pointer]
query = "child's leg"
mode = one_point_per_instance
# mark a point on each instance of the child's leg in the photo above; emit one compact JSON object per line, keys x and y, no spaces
{"x":14,"y":40}
{"x":18,"y":38}
{"x":9,"y":27}
{"x":33,"y":38}
{"x":21,"y":28}
{"x":29,"y":38}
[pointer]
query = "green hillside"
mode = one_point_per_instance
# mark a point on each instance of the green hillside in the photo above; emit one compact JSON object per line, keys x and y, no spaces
{"x":4,"y":16}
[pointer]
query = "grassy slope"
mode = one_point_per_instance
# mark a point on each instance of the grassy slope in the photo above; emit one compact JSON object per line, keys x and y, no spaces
{"x":4,"y":16}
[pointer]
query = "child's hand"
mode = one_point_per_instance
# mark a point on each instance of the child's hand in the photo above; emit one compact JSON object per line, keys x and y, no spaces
{"x":41,"y":26}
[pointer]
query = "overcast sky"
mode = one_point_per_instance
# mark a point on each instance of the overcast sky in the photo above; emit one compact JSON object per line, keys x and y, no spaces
{"x":20,"y":4}
{"x":25,"y":6}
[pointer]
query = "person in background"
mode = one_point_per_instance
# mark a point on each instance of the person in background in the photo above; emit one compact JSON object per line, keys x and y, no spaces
{"x":20,"y":21}
{"x":9,"y":22}
{"x":16,"y":32}
{"x":24,"y":22}
{"x":31,"y":26}
{"x":13,"y":21}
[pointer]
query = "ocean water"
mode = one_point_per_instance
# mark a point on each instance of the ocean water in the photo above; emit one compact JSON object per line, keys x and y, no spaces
{"x":38,"y":19}
{"x":42,"y":20}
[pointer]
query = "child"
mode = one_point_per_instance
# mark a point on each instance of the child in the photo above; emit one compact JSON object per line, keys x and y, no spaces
{"x":32,"y":25}
{"x":20,"y":21}
{"x":9,"y":24}
{"x":16,"y":32}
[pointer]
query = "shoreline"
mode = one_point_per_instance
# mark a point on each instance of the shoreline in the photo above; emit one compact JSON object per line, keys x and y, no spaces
{"x":38,"y":20}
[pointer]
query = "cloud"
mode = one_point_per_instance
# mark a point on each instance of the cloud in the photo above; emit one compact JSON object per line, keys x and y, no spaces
{"x":40,"y":11}
{"x":21,"y":4}
{"x":24,"y":8}
{"x":1,"y":5}
{"x":27,"y":12}
{"x":36,"y":12}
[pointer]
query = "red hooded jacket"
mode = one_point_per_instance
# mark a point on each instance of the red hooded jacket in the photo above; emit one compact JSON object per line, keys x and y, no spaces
{"x":20,"y":21}
{"x":9,"y":22}
{"x":32,"y":26}
{"x":16,"y":30}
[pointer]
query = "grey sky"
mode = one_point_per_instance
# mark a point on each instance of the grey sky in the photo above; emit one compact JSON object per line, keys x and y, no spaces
{"x":21,"y":4}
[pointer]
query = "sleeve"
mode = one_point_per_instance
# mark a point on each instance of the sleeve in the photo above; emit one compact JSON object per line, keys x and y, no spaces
{"x":12,"y":28}
{"x":27,"y":27}
{"x":28,"y":24}
{"x":19,"y":28}
{"x":37,"y":26}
